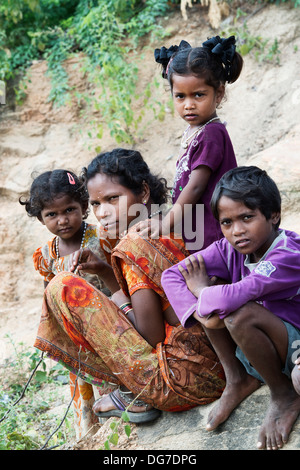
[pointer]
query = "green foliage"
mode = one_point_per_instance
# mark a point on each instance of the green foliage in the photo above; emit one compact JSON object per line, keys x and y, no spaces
{"x":105,"y":31}
{"x":25,"y":425}
{"x":256,"y":45}
{"x":296,"y":3}
{"x":113,"y":438}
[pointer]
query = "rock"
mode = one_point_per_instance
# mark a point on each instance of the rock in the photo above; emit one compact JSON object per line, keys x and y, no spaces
{"x":186,"y":430}
{"x":261,"y":112}
{"x":281,"y":161}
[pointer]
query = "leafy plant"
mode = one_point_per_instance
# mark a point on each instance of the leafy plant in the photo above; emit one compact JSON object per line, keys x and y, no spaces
{"x":113,"y":438}
{"x":105,"y":31}
{"x":25,"y":418}
{"x":248,"y":43}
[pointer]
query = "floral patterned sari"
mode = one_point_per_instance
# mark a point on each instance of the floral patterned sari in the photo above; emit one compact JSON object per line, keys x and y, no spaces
{"x":90,"y":335}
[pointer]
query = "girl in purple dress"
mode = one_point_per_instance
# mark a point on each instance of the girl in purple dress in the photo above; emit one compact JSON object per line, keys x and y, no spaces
{"x":197,"y":77}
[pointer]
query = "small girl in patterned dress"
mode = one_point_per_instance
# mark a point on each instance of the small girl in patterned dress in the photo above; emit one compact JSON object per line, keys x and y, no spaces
{"x":60,"y":202}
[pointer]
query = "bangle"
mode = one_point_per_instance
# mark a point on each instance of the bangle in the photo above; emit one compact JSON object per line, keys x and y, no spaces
{"x":126,"y":308}
{"x":127,"y":311}
{"x":126,"y":304}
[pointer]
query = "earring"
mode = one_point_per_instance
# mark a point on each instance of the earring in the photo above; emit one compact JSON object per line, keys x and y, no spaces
{"x":145,"y":202}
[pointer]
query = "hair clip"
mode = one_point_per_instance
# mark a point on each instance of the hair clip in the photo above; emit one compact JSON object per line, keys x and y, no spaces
{"x":71,"y":178}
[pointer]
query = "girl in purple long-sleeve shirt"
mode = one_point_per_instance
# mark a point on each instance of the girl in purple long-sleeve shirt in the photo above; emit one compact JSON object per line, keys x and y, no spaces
{"x":197,"y":77}
{"x":252,"y":313}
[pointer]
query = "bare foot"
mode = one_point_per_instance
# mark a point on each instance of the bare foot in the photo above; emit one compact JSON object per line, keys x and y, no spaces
{"x":282,"y":414}
{"x":233,"y":395}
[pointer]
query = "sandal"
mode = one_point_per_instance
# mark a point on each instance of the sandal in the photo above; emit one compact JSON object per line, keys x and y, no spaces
{"x":134,"y":417}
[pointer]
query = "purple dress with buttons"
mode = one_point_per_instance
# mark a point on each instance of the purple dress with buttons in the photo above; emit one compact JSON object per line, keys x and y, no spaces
{"x":212,"y":147}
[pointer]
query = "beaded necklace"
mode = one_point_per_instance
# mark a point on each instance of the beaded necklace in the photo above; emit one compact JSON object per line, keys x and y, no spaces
{"x":185,"y":142}
{"x":81,"y":244}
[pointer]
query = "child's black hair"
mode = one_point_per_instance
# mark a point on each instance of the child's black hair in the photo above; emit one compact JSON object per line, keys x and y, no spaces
{"x":251,"y":186}
{"x":217,"y":61}
{"x":52,"y":184}
{"x":131,"y":171}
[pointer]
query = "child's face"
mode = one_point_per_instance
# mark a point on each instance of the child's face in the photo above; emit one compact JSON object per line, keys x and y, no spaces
{"x":194,"y":100}
{"x":247,"y":230}
{"x":63,"y":216}
{"x":111,"y":203}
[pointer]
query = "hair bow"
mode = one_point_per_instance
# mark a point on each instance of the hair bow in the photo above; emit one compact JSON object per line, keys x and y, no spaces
{"x":163,"y":55}
{"x":223,"y":47}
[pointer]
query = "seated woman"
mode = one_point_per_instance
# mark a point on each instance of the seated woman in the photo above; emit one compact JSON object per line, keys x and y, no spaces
{"x":134,"y":340}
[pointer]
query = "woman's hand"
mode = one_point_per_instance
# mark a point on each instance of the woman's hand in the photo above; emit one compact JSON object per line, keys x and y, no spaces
{"x":151,"y":228}
{"x":85,"y":260}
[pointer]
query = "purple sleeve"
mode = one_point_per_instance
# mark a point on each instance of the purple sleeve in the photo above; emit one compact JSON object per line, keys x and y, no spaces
{"x":275,"y":278}
{"x":210,"y":149}
{"x":226,"y":298}
{"x":181,"y":299}
{"x":184,"y":303}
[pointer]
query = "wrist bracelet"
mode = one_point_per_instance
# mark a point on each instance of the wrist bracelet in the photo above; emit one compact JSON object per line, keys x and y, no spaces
{"x":127,"y":311}
{"x":126,"y":307}
{"x":126,"y":304}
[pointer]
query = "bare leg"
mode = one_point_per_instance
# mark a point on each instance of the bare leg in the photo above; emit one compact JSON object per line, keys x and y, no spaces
{"x":263,"y":338}
{"x":239,"y":384}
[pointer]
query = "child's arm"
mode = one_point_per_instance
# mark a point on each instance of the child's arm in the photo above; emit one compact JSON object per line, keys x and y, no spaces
{"x":41,"y":265}
{"x":190,"y":194}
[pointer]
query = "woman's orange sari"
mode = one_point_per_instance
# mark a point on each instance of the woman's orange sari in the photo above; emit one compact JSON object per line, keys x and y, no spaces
{"x":91,"y":336}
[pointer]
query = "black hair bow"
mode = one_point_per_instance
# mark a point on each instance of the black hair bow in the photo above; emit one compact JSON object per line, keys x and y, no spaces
{"x":223,"y":47}
{"x":163,"y":55}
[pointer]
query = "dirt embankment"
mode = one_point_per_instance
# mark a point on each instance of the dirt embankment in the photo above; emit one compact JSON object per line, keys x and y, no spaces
{"x":262,"y":115}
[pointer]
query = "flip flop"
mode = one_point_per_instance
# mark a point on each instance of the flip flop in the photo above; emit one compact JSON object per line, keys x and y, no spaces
{"x":142,"y":417}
